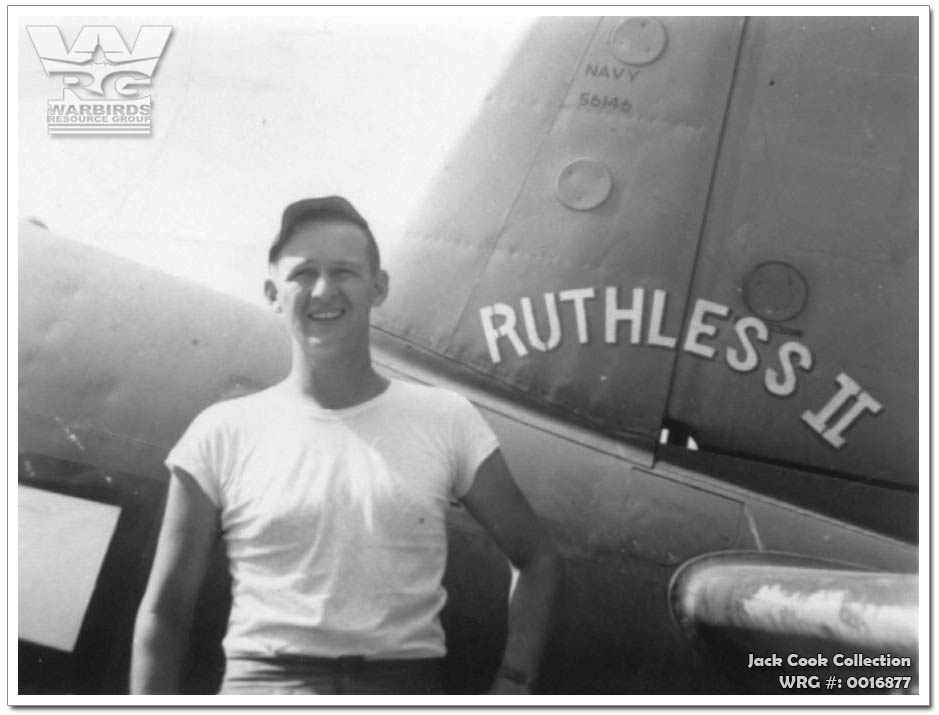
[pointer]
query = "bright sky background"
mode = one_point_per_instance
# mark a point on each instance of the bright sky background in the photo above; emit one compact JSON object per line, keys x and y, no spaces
{"x":250,"y":113}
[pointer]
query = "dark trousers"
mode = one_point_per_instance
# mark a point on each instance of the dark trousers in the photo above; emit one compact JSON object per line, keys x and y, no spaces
{"x":300,"y":675}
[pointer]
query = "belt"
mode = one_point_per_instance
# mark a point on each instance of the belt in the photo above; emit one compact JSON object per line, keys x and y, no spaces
{"x":345,"y":663}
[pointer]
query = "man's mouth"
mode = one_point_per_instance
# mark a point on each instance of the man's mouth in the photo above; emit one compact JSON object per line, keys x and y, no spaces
{"x":325,"y":316}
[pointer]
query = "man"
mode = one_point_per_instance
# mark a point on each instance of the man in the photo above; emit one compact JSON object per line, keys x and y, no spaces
{"x":330,"y":491}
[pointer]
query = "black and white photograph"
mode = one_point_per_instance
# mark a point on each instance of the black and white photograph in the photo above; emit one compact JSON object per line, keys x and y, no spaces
{"x":469,"y":355}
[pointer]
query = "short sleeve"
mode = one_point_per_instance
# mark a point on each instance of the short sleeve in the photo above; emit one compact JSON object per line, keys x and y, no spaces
{"x":473,"y":440}
{"x":199,"y":452}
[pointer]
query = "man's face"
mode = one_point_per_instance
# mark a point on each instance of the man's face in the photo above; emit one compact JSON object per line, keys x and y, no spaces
{"x":324,"y":285}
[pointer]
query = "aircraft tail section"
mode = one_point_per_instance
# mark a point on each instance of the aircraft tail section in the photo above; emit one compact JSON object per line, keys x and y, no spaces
{"x":702,"y":223}
{"x":559,"y":242}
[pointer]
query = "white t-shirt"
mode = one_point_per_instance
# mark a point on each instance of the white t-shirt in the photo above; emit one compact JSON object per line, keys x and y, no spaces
{"x":334,"y":520}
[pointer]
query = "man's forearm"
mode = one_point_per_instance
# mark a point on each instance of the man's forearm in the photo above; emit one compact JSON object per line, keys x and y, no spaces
{"x":160,"y":647}
{"x":531,"y":612}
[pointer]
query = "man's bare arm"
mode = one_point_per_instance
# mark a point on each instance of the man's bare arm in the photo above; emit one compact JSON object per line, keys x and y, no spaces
{"x":161,"y":634}
{"x":496,"y":502}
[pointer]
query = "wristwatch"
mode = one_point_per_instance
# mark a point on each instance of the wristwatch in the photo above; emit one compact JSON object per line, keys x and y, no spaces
{"x":519,"y":677}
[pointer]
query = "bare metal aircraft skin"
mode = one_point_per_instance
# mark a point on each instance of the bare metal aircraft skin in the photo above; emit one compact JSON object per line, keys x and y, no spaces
{"x":699,"y":228}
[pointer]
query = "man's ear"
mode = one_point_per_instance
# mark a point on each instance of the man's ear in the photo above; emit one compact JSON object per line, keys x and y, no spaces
{"x":381,"y":288}
{"x":270,"y":292}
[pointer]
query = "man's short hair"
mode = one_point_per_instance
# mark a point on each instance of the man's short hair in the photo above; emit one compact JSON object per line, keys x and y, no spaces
{"x":321,"y":209}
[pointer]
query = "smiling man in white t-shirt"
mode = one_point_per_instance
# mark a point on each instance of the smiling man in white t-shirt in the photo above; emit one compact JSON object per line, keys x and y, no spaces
{"x":330,"y":491}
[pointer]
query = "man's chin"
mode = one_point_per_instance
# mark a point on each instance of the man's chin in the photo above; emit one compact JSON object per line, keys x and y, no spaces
{"x":320,"y":329}
{"x":322,"y":343}
{"x":325,"y":337}
{"x":319,"y":341}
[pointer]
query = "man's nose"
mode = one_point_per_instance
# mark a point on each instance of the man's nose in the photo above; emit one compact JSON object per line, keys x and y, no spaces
{"x":323,"y":287}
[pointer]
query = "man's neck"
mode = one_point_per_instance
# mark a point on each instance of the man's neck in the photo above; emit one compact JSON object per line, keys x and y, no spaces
{"x":334,"y":384}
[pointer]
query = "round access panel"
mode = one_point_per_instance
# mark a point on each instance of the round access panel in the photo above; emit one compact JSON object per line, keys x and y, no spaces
{"x":775,"y":291}
{"x":638,"y":40}
{"x":584,"y":184}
